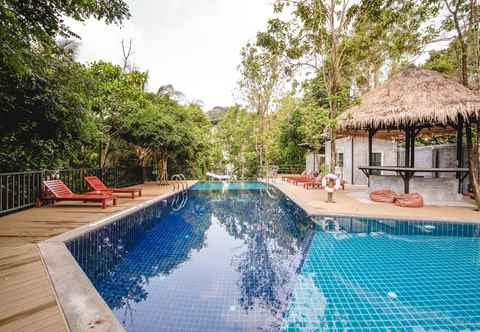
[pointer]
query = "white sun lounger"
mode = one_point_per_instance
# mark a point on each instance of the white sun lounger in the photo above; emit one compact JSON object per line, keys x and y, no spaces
{"x":218,"y":176}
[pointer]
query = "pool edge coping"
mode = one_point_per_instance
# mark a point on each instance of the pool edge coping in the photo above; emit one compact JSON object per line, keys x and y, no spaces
{"x":82,"y":306}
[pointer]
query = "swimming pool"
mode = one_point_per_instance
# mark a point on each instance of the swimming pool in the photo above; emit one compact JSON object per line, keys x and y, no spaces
{"x":243,"y":257}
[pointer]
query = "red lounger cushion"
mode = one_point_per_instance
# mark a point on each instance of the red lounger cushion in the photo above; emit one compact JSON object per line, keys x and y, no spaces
{"x":409,"y":200}
{"x":383,"y":196}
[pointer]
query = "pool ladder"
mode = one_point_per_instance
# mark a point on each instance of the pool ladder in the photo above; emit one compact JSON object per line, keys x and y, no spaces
{"x":179,"y":201}
{"x":179,"y":181}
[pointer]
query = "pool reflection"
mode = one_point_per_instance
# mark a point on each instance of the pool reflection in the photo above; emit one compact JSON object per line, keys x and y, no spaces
{"x":224,"y":260}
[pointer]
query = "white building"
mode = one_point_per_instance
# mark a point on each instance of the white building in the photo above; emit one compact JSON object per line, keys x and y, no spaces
{"x":352,"y":152}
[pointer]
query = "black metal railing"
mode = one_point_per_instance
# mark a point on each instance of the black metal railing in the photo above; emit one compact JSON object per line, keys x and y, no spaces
{"x":21,"y":190}
{"x":273,"y":170}
{"x":291,"y":169}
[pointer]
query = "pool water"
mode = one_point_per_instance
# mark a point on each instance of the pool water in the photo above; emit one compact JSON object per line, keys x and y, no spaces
{"x":243,"y":257}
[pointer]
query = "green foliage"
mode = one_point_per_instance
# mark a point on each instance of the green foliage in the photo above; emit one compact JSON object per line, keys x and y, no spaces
{"x":44,"y":118}
{"x":291,"y":139}
{"x":234,"y":135}
{"x":57,"y":113}
{"x":385,"y":34}
{"x":31,"y":25}
{"x":443,"y":61}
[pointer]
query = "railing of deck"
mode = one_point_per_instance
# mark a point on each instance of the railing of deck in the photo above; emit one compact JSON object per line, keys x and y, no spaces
{"x":21,"y":190}
{"x":273,"y":170}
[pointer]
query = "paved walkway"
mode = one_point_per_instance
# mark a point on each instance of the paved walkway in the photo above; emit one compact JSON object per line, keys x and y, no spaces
{"x":27,"y":298}
{"x":314,"y":202}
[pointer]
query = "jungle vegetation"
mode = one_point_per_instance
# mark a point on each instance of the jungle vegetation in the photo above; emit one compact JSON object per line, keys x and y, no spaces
{"x":313,"y":60}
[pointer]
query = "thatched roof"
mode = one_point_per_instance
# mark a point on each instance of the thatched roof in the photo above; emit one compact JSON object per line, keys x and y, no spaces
{"x":415,"y":96}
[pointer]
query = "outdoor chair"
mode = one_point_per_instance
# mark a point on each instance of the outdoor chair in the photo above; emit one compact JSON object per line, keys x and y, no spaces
{"x":98,"y":186}
{"x":293,"y":176}
{"x":315,"y":183}
{"x":307,"y":178}
{"x":57,"y":191}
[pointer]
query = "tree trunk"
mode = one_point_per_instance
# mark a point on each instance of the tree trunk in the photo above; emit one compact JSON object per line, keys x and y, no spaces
{"x":473,"y":151}
{"x":333,"y":87}
{"x":104,"y":154}
{"x":333,"y":150}
{"x":162,"y":175}
{"x":473,"y":162}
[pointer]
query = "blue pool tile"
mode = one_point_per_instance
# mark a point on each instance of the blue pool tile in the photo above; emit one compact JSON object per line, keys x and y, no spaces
{"x":243,"y":257}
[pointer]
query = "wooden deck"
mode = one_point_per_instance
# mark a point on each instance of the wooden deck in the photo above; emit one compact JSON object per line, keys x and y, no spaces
{"x":27,"y":298}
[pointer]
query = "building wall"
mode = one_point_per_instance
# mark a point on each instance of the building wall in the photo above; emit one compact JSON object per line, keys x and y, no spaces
{"x":438,"y":156}
{"x":314,"y":161}
{"x":360,"y":156}
{"x":425,"y":156}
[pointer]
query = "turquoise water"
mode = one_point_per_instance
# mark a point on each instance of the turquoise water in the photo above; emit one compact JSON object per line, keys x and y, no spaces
{"x":382,"y":275}
{"x":217,"y":185}
{"x":243,"y":257}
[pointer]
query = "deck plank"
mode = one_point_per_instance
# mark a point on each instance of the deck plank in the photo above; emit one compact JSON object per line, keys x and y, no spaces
{"x":27,"y":298}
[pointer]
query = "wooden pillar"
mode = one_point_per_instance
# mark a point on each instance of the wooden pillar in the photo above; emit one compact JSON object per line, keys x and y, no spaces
{"x":460,"y":163}
{"x":413,"y":135}
{"x":371,"y":133}
{"x":407,"y":147}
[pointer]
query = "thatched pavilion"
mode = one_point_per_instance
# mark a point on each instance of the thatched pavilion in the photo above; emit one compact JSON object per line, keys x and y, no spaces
{"x":414,"y":102}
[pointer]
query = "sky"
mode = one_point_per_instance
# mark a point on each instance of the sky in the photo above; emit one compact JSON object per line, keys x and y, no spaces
{"x":192,"y":44}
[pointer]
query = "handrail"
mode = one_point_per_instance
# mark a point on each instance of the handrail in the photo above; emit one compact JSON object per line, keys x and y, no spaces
{"x":179,"y":201}
{"x":180,"y":180}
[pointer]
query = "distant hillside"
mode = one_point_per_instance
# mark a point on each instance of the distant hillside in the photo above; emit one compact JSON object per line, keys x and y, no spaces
{"x":215,"y":115}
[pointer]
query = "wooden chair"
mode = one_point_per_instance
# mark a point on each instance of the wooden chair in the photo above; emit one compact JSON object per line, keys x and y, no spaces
{"x":60,"y":192}
{"x":97,"y":185}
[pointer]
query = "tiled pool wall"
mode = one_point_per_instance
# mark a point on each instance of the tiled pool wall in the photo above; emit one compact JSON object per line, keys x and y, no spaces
{"x":99,"y":250}
{"x":324,"y":261}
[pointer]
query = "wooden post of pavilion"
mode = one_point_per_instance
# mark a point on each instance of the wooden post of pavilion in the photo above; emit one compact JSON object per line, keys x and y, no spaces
{"x":407,"y":146}
{"x":413,"y":135}
{"x":460,"y":163}
{"x":371,"y":133}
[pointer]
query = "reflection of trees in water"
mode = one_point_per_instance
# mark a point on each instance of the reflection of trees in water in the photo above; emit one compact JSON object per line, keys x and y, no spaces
{"x":273,"y":232}
{"x":131,"y":286}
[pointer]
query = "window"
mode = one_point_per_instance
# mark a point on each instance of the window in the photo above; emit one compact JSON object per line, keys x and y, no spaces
{"x":376,"y":161}
{"x":340,"y":159}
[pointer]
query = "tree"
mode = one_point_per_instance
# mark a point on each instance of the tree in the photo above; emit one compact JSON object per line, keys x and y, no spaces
{"x":31,"y":25}
{"x":117,"y":93}
{"x":340,"y":41}
{"x":315,"y":39}
{"x":385,"y":36}
{"x":234,"y":134}
{"x":45,"y":117}
{"x":170,"y":91}
{"x":291,"y":139}
{"x":166,"y":132}
{"x":261,"y":78}
{"x":44,"y":94}
{"x":460,"y":24}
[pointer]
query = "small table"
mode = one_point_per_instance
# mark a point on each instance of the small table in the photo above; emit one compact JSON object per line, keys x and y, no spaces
{"x":408,"y":172}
